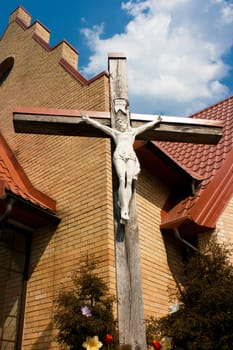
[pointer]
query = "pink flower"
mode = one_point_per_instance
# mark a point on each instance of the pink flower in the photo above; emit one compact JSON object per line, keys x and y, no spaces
{"x":86,"y":311}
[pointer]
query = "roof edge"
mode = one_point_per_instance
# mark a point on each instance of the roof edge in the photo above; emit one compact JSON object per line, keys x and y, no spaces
{"x":77,"y":75}
{"x":176,"y":223}
{"x":25,"y":184}
{"x":189,"y":172}
{"x":41,"y":34}
{"x":215,"y":197}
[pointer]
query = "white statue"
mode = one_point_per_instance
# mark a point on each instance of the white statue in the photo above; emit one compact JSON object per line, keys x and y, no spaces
{"x":124,"y":158}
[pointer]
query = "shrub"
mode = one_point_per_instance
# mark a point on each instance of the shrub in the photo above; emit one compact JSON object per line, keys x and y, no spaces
{"x":204,"y":320}
{"x":84,"y":311}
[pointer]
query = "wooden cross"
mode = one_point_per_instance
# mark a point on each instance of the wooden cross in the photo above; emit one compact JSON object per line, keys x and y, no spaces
{"x":62,"y":122}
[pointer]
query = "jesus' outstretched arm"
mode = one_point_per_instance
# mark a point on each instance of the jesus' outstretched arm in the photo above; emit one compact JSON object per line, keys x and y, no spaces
{"x":106,"y":129}
{"x":147,"y":126}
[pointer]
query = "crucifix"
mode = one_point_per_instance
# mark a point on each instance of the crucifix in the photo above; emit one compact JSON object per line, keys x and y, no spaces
{"x":124,"y":158}
{"x":123,"y":127}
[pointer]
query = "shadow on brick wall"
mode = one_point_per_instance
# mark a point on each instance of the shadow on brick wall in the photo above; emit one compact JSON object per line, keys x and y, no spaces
{"x":45,"y":340}
{"x":175,"y":256}
{"x":42,"y":250}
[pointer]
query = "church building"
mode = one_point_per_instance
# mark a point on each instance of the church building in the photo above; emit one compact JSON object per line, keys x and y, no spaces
{"x":56,"y":193}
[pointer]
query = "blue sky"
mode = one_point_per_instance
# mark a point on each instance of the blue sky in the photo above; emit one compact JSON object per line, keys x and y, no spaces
{"x":179,"y":52}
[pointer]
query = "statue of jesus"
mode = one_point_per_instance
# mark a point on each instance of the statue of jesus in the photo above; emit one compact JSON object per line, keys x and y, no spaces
{"x":124,"y":157}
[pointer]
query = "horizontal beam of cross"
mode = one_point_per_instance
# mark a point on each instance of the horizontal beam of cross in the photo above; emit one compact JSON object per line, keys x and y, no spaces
{"x":69,"y":122}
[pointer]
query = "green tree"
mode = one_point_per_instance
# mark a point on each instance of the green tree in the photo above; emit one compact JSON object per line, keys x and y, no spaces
{"x":204,"y":320}
{"x":85,"y":310}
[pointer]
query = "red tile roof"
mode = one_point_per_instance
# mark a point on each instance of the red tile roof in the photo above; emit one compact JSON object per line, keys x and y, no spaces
{"x":214,"y":164}
{"x":13,"y":179}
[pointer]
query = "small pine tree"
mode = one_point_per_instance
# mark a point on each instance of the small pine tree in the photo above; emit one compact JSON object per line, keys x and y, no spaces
{"x":204,"y":320}
{"x":86,"y":310}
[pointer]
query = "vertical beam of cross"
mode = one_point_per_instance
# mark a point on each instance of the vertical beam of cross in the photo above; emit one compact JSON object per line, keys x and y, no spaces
{"x":127,"y":251}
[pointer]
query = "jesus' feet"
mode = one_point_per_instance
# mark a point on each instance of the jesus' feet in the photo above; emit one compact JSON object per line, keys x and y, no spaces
{"x":124,"y":215}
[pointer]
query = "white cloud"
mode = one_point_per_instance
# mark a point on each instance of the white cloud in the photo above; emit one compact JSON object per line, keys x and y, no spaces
{"x":174,"y":52}
{"x":227,"y":13}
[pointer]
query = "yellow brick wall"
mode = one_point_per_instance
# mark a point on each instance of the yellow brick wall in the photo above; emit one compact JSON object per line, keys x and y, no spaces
{"x":160,"y":254}
{"x":223,"y":230}
{"x":76,"y":172}
{"x":85,"y":208}
{"x":225,"y":225}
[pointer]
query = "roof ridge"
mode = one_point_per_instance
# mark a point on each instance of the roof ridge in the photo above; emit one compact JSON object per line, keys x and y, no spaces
{"x":211,"y":106}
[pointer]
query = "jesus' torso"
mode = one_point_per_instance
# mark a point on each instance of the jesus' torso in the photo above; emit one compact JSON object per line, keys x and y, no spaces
{"x":124,"y":145}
